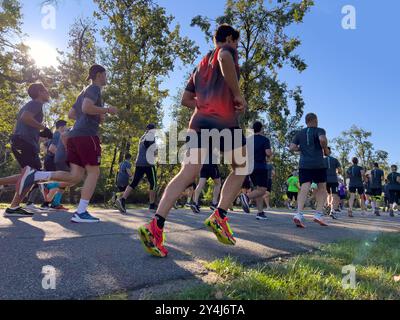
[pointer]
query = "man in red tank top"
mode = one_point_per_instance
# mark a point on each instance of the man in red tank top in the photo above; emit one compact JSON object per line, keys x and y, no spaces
{"x":214,"y":95}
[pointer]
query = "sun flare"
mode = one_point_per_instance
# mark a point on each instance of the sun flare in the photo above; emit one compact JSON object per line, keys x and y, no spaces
{"x":42,"y":53}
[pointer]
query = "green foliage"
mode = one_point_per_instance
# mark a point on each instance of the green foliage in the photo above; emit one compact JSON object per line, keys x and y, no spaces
{"x":316,"y":276}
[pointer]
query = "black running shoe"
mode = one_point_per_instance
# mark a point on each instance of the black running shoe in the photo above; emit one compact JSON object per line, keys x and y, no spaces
{"x":120,"y":203}
{"x":333,"y":215}
{"x":18,"y":212}
{"x":261,"y":216}
{"x":25,"y":181}
{"x":244,"y":199}
{"x":195,"y":208}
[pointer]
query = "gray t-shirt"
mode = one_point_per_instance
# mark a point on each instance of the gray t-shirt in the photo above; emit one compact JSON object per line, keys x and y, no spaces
{"x":311,"y":154}
{"x":354,"y":173}
{"x":146,"y":141}
{"x":376,"y":178}
{"x":26,"y":132}
{"x":61,"y":154}
{"x":331,"y":164}
{"x":54,"y":141}
{"x":123,"y":176}
{"x":87,"y":125}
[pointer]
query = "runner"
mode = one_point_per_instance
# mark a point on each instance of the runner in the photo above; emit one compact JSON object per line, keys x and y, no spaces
{"x":312,"y":144}
{"x":214,"y":95}
{"x":394,"y":188}
{"x":293,"y":187}
{"x":271,"y":175}
{"x":377,"y":177}
{"x":386,"y":196}
{"x":208,"y":171}
{"x":123,"y":176}
{"x":259,"y":177}
{"x":342,"y":193}
{"x":25,"y":143}
{"x":356,"y":185}
{"x":333,"y":168}
{"x":51,"y":192}
{"x":83,"y":147}
{"x":144,"y":166}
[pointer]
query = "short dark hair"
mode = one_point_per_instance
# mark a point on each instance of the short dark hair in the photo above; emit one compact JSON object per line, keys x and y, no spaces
{"x":34,"y":90}
{"x":376,"y":164}
{"x":61,"y":123}
{"x":94,"y":70}
{"x":355,"y":160}
{"x":224,"y":31}
{"x":151,"y":126}
{"x":257,"y":126}
{"x":128,"y":156}
{"x":394,"y":166}
{"x":311,"y":117}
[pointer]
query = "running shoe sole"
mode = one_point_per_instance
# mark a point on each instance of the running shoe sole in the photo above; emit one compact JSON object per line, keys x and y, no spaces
{"x":15,"y":215}
{"x":320,"y":222}
{"x":215,"y":228}
{"x":148,"y":245}
{"x":20,"y":183}
{"x":119,"y":206}
{"x":298,"y":223}
{"x":79,"y":220}
{"x":245,"y":204}
{"x":262,"y":218}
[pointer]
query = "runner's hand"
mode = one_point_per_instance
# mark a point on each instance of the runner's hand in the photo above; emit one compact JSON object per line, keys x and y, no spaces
{"x":240,"y":103}
{"x":112,"y":110}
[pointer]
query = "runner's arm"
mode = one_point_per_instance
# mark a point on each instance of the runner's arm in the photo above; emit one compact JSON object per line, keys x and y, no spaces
{"x":294,"y":147}
{"x":324,"y":144}
{"x":53,"y":149}
{"x":90,"y":108}
{"x":72,"y":114}
{"x":189,"y":100}
{"x":29,"y":119}
{"x":228,"y":70}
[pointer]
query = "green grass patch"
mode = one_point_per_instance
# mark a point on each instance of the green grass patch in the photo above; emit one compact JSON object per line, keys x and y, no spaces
{"x":315,"y":276}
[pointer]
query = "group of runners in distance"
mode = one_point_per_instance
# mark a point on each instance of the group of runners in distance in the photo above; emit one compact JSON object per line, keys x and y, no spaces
{"x":213,"y":93}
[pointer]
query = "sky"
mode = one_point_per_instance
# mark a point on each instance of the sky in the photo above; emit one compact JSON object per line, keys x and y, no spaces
{"x":352,"y":75}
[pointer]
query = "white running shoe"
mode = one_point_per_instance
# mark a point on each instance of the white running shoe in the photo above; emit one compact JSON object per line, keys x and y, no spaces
{"x":319,"y":218}
{"x":298,"y":220}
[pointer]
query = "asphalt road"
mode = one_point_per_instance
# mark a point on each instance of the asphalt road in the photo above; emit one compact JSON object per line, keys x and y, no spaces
{"x":95,"y":260}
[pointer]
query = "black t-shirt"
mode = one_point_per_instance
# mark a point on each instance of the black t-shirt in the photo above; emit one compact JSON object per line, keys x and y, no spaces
{"x":311,"y":154}
{"x":261,"y":143}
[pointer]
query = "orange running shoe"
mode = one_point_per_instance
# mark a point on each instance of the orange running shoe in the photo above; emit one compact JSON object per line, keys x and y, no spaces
{"x":220,"y":227}
{"x":152,"y":238}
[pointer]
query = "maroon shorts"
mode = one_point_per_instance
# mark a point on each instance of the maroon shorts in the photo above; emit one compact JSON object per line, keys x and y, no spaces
{"x":84,"y":151}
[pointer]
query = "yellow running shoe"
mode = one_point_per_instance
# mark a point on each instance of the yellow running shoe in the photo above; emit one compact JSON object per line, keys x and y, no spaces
{"x":220,"y":227}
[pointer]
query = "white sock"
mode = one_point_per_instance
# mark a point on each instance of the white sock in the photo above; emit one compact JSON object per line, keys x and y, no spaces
{"x":83,"y":204}
{"x":373,"y":205}
{"x":42,"y":176}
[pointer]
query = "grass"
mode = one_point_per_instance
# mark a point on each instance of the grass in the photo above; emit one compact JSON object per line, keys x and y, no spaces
{"x":315,"y":276}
